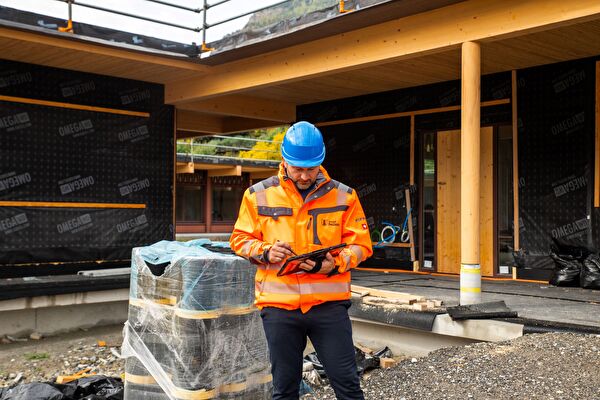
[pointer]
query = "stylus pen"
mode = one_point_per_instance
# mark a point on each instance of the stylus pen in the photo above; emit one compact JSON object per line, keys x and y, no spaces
{"x":290,"y":249}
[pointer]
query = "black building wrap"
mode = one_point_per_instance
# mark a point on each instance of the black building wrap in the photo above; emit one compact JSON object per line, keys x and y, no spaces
{"x":556,"y":157}
{"x":56,"y":154}
{"x":374,"y":156}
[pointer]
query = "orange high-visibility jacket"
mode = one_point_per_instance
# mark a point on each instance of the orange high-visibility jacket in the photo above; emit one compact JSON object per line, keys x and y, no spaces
{"x":331,"y":214}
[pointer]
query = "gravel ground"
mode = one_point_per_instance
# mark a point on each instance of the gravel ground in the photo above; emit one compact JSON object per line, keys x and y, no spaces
{"x":545,"y":366}
{"x":43,"y":360}
{"x":548,"y":366}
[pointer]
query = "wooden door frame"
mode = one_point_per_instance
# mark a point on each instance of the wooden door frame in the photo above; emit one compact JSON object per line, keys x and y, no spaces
{"x":421,"y":179}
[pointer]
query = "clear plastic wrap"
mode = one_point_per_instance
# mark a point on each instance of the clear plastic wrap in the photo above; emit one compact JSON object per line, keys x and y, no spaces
{"x":193,"y":331}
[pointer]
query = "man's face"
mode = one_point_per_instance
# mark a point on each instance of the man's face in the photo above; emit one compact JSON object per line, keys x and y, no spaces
{"x":302,"y":177}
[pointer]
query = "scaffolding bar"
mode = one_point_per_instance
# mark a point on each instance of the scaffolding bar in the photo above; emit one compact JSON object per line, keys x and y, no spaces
{"x":166,"y":3}
{"x":243,"y":15}
{"x":131,"y":15}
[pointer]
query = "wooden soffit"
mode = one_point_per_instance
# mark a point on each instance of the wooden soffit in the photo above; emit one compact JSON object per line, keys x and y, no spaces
{"x":393,"y":45}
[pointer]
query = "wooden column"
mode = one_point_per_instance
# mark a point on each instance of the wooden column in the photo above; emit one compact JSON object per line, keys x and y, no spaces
{"x":208,"y":204}
{"x":470,"y":271}
{"x":515,"y":143}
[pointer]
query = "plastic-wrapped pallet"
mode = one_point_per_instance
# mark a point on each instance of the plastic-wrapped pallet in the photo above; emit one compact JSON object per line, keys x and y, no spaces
{"x":193,"y":331}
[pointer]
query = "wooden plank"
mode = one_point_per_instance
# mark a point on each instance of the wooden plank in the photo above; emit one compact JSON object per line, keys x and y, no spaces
{"x":425,"y":111}
{"x":411,"y":238}
{"x":174,"y":177}
{"x":185,"y":168}
{"x":399,"y":244}
{"x":386,"y":362}
{"x":385,"y":293}
{"x":72,"y":106}
{"x":412,"y":151}
{"x":58,"y":204}
{"x":405,"y":38}
{"x":231,"y":171}
{"x":515,"y":156}
{"x":448,"y":202}
{"x":486,"y":202}
{"x":384,"y":301}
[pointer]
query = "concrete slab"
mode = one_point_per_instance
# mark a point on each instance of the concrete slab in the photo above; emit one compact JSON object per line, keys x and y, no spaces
{"x":531,"y":300}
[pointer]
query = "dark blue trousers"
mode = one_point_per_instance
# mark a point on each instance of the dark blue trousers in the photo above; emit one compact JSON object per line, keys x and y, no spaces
{"x":329,"y":329}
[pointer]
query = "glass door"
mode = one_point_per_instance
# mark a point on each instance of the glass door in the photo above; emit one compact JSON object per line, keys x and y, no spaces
{"x":504,"y":200}
{"x":428,"y":194}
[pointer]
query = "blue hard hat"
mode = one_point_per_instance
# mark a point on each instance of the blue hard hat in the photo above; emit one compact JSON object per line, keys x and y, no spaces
{"x":303,"y":145}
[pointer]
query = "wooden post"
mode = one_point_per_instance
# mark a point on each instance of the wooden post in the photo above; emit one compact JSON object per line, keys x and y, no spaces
{"x":412,"y":149}
{"x":470,"y":271}
{"x":174,"y":178}
{"x":208,"y":204}
{"x":410,"y":225}
{"x":515,"y":143}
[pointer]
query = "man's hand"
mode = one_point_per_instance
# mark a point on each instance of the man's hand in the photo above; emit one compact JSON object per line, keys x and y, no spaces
{"x":327,"y":265}
{"x":279,"y":252}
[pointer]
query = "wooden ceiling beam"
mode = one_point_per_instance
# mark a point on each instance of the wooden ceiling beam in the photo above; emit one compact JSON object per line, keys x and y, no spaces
{"x":198,"y":124}
{"x":401,"y":39}
{"x":236,"y":124}
{"x":203,"y":124}
{"x":244,"y":106}
{"x":235,"y":170}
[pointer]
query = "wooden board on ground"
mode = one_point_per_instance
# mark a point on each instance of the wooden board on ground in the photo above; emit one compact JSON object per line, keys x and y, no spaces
{"x":385,"y":293}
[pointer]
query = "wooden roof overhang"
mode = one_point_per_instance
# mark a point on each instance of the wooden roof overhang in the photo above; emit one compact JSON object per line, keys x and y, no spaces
{"x":263,"y":88}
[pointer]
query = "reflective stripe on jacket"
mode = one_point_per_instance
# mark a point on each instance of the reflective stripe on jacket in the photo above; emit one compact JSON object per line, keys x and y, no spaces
{"x":331,"y":214}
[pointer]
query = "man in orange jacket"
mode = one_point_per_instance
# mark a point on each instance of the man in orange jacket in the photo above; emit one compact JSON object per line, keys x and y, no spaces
{"x":298,"y":211}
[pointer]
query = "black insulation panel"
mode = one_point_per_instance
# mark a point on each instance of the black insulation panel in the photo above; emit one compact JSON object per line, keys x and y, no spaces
{"x":556,"y":157}
{"x":374,"y":158}
{"x":58,"y":154}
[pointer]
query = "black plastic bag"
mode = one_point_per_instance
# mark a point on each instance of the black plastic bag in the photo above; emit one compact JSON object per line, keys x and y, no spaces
{"x":574,"y":247}
{"x":96,"y":387}
{"x":364,"y":361}
{"x":590,"y":272}
{"x":566,"y":270}
{"x":32,"y":391}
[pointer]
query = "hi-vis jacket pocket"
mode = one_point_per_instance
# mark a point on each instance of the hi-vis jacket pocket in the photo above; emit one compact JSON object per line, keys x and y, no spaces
{"x":275,"y":212}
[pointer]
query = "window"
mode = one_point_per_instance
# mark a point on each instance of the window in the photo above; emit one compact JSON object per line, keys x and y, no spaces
{"x":226,"y":202}
{"x":189,"y":204}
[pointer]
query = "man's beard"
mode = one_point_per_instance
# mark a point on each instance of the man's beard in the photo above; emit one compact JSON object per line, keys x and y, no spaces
{"x":304,"y":186}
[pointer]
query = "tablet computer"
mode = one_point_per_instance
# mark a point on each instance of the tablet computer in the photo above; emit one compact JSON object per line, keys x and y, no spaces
{"x":292,"y":264}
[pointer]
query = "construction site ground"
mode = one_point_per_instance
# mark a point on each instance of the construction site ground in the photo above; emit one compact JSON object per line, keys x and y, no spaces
{"x":540,"y":366}
{"x":531,"y":300}
{"x":549,"y":365}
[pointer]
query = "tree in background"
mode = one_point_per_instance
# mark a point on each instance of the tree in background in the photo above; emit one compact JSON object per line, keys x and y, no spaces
{"x":234,"y":147}
{"x":267,"y":150}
